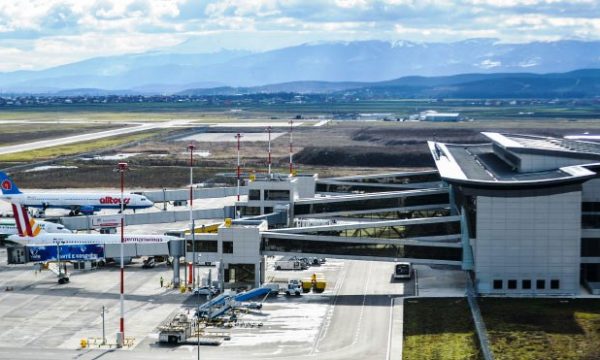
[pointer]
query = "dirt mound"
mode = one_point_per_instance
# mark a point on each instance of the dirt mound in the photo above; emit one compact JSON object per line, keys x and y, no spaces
{"x":365,"y":156}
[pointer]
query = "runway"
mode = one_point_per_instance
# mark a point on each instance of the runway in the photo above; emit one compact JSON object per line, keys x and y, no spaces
{"x":87,"y":137}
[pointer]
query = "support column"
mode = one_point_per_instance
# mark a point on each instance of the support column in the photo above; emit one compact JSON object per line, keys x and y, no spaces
{"x":176,"y":272}
{"x":263,"y":270}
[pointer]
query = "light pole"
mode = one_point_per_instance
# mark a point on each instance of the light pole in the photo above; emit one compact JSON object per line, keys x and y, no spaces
{"x":103,"y":332}
{"x":191,"y":148}
{"x":269,"y":129}
{"x":238,"y":137}
{"x":291,"y":149}
{"x":122,"y":167}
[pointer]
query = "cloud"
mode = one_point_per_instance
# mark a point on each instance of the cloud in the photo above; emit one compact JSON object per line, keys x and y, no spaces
{"x":35,"y":29}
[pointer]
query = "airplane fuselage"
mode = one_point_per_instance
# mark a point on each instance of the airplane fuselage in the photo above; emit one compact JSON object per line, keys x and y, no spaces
{"x":90,"y":202}
{"x":9,"y":227}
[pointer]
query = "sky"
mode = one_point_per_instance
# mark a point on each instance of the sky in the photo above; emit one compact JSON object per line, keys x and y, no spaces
{"x":37,"y":34}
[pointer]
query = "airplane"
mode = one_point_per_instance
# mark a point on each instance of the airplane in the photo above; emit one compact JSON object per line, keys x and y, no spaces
{"x":30,"y":233}
{"x":9,"y":227}
{"x":85,"y":203}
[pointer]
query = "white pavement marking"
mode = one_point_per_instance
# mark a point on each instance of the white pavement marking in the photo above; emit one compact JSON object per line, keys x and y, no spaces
{"x":362,"y":307}
{"x":389,"y":344}
{"x":84,"y":137}
{"x":321,"y":123}
{"x":327,"y":320}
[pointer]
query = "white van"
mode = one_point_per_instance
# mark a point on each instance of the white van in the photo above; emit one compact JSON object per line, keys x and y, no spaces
{"x":290,"y":265}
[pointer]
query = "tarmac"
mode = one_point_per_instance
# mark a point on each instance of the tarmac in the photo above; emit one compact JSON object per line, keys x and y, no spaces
{"x":353,"y":318}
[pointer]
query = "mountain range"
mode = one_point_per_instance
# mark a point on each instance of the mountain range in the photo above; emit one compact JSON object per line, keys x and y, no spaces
{"x":325,"y":67}
{"x":574,"y":84}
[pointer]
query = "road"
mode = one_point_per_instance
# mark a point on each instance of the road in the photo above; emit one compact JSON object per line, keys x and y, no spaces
{"x":351,"y":322}
{"x":87,"y":137}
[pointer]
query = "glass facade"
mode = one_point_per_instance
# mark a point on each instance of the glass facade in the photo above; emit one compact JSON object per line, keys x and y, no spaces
{"x":370,"y":204}
{"x":202,"y":246}
{"x":254,"y":194}
{"x":228,"y":247}
{"x":279,"y":195}
{"x":249,"y":210}
{"x":240,"y":273}
{"x":361,"y":249}
{"x":395,"y":232}
{"x":400,"y":215}
{"x":590,"y":247}
{"x":403,"y":179}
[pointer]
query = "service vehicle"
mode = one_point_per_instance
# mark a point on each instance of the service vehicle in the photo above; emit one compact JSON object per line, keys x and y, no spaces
{"x":294,"y":287}
{"x":290,"y":265}
{"x":402,"y":270}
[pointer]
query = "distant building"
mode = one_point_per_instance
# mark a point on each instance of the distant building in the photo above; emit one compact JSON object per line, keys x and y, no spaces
{"x":432,"y":115}
{"x":375,"y":116}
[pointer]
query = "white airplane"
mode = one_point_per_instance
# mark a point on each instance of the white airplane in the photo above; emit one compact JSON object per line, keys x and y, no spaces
{"x":85,"y":203}
{"x":30,"y":233}
{"x":9,"y":227}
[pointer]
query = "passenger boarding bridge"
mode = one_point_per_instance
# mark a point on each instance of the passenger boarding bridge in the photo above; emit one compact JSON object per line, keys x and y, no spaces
{"x":380,"y":182}
{"x":413,"y":225}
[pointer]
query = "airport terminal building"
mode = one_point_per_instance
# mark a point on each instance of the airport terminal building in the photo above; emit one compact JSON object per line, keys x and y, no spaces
{"x":531,"y":212}
{"x":520,"y":214}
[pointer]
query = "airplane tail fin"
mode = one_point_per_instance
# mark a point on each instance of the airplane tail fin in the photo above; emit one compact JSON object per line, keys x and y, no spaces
{"x":7,"y":185}
{"x":26,"y":226}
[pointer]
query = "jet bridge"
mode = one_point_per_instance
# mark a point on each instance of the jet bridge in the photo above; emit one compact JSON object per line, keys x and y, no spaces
{"x":380,"y":182}
{"x":356,"y":204}
{"x":435,"y":240}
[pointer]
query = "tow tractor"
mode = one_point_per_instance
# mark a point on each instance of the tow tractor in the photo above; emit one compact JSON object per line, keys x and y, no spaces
{"x":294,"y":287}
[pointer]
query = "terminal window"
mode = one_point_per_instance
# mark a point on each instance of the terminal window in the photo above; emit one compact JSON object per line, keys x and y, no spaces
{"x":254,"y":194}
{"x":526,"y":284}
{"x":512,"y":284}
{"x":277,"y":195}
{"x":554,"y":284}
{"x":497,"y":284}
{"x":541,"y":284}
{"x":228,"y":247}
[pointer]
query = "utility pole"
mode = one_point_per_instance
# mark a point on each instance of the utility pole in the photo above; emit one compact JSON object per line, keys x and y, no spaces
{"x":191,"y":147}
{"x":269,"y":129}
{"x":103,"y":328}
{"x":291,"y":148}
{"x":238,"y":137}
{"x":122,"y":167}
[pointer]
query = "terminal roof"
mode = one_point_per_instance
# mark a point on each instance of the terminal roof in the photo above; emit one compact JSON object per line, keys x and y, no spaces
{"x":487,"y":164}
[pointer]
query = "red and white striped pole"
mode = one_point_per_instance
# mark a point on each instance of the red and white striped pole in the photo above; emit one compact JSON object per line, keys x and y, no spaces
{"x":269,"y":129}
{"x":238,"y":137}
{"x":122,"y":167}
{"x":191,"y":147}
{"x":291,"y":148}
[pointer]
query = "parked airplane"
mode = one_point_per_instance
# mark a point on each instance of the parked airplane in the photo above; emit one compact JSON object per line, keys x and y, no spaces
{"x":30,"y":233}
{"x":85,"y":203}
{"x":9,"y":227}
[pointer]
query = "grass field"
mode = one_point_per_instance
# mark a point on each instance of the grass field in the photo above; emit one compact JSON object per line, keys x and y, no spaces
{"x":439,"y":329}
{"x":76,"y":148}
{"x":532,"y":329}
{"x":399,"y":108}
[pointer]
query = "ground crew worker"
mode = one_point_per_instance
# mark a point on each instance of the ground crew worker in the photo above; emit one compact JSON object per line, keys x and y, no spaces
{"x":161,"y":281}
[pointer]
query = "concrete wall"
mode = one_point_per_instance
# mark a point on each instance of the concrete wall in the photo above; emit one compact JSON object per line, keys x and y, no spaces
{"x":591,"y":191}
{"x":246,"y":247}
{"x":534,"y":163}
{"x":528,"y":238}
